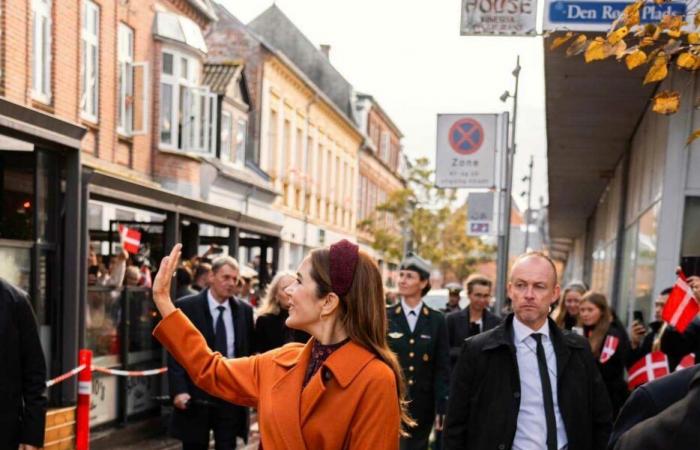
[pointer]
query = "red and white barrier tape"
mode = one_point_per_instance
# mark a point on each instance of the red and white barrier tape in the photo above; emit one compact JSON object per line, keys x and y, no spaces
{"x":129,"y":373}
{"x":65,"y":376}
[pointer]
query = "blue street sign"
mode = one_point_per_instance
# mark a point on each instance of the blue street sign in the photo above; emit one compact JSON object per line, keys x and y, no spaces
{"x":604,"y":13}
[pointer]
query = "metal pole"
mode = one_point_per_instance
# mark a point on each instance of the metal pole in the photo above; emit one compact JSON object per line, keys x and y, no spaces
{"x":529,"y":203}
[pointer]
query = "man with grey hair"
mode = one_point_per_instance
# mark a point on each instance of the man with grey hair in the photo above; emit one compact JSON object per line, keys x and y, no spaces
{"x":542,"y":383}
{"x":227,"y":325}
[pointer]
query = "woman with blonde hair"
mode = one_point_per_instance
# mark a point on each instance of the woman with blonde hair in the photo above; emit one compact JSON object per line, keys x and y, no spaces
{"x":270,"y":329}
{"x":566,"y":315}
{"x":342,"y":390}
{"x":609,"y":344}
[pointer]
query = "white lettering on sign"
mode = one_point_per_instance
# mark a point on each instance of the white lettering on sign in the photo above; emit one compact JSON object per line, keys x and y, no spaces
{"x":510,"y":17}
{"x":576,"y":12}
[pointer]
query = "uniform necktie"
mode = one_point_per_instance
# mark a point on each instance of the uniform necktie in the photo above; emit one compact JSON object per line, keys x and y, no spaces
{"x":220,"y":341}
{"x":546,"y":394}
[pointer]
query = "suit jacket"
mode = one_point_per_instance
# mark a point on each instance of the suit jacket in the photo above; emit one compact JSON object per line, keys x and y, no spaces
{"x":424,"y":358}
{"x":22,"y":372}
{"x":458,"y":329}
{"x":271,"y":332}
{"x":192,"y":424}
{"x":676,"y":426}
{"x":650,"y":399}
{"x":484,"y":403}
{"x":351,"y":403}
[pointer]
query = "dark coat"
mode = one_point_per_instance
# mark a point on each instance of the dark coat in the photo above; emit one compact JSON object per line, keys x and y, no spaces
{"x":271,"y":332}
{"x":676,"y":426}
{"x":424,"y":358}
{"x":22,"y":372}
{"x":650,"y":399}
{"x":458,"y":329}
{"x":484,"y":401}
{"x":192,"y":424}
{"x":646,"y":345}
{"x":676,"y":345}
{"x":613,"y":371}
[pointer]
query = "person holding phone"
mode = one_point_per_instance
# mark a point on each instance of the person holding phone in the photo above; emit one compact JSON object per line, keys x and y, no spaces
{"x":677,"y":345}
{"x":642,"y":338}
{"x":343,"y":389}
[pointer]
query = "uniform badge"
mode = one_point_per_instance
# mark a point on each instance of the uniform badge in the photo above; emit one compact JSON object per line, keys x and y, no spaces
{"x":425,"y":336}
{"x":395,"y":335}
{"x":425,"y":311}
{"x":425,"y":357}
{"x":398,"y":310}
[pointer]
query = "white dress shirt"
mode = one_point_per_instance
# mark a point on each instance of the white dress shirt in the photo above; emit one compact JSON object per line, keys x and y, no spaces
{"x":531,"y":430}
{"x":411,"y":314}
{"x":228,"y":321}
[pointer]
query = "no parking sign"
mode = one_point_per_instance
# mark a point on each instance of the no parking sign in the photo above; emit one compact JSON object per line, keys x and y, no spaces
{"x":466,"y":150}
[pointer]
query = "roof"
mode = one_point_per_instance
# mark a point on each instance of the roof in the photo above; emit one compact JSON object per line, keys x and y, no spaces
{"x":219,"y":76}
{"x":205,"y":7}
{"x":281,"y":33}
{"x":381,"y":112}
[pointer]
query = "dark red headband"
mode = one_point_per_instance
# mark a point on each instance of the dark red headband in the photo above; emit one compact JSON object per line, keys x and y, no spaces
{"x":343,"y":260}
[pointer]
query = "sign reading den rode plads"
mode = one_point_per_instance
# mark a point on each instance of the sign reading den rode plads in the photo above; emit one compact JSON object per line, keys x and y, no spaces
{"x":599,"y":15}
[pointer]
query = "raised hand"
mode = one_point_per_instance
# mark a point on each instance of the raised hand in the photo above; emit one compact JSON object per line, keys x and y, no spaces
{"x":162,"y":283}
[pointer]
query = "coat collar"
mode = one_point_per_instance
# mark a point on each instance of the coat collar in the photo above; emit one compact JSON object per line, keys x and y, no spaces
{"x":502,"y":335}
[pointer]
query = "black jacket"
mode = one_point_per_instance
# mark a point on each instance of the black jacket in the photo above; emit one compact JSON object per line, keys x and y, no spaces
{"x":676,"y":425}
{"x":646,"y":345}
{"x":458,"y":329}
{"x":676,"y":345}
{"x":271,"y":332}
{"x":613,"y":371}
{"x":192,"y":424}
{"x":650,"y":399}
{"x":22,"y":372}
{"x":484,"y":402}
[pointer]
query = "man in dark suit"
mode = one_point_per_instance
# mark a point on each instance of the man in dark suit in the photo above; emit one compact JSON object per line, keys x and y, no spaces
{"x":526,"y":384}
{"x":651,"y":399}
{"x":675,"y":426}
{"x":22,"y":373}
{"x":227,"y":325}
{"x":418,"y":336}
{"x":474,"y":319}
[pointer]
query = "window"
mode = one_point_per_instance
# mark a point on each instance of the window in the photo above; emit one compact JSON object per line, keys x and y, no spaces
{"x":90,"y":60}
{"x":187,"y":110}
{"x":241,"y":138}
{"x":272,"y":150}
{"x":132,"y":87}
{"x":384,"y":146}
{"x":226,"y":136}
{"x":41,"y":50}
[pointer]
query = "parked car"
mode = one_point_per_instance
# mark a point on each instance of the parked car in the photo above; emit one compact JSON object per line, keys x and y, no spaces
{"x":437,"y":299}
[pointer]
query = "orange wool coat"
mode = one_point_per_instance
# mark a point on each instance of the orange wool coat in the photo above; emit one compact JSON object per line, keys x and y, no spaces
{"x":350,"y":403}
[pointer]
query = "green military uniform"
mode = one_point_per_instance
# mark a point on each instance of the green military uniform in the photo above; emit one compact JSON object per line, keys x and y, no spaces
{"x":424,"y":358}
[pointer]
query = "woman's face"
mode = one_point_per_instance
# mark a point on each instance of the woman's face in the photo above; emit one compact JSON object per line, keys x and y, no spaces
{"x":303,"y":305}
{"x":282,"y":297}
{"x":590,"y":314}
{"x":571,"y":302}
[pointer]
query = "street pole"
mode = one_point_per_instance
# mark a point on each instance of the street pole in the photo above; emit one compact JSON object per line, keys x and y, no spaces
{"x":529,"y":203}
{"x":504,"y":241}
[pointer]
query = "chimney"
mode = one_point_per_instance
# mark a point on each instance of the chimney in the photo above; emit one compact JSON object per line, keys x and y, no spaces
{"x":326,"y":50}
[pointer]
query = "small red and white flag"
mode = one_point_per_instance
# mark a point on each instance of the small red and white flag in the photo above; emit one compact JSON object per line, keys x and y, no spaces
{"x":609,"y":348}
{"x":687,"y":361}
{"x":131,"y":239}
{"x":652,"y":367}
{"x":681,"y":306}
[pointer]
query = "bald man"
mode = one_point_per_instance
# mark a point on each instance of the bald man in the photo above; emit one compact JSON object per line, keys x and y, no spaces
{"x":526,"y":384}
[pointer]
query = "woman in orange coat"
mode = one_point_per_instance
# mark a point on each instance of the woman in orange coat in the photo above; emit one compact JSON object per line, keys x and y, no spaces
{"x":342,"y":390}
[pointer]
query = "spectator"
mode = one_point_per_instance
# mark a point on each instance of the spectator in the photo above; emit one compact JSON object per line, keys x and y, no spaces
{"x":271,"y":330}
{"x":566,"y":315}
{"x":642,"y":339}
{"x":453,"y":290}
{"x":599,"y":326}
{"x":247,"y":294}
{"x":132,"y":276}
{"x":22,"y":373}
{"x":201,"y":276}
{"x":676,"y":345}
{"x":183,"y":282}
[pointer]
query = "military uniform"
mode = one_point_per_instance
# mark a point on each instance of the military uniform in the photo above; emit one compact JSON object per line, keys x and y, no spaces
{"x":424,"y":358}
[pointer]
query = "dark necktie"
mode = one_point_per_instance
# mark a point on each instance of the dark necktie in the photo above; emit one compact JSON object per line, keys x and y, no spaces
{"x":220,"y":341}
{"x":546,"y":394}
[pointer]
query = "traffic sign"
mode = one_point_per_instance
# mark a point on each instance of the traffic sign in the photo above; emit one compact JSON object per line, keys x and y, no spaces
{"x":466,"y":136}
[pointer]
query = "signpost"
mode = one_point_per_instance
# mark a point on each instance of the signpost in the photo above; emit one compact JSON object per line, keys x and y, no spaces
{"x":480,"y":214}
{"x":499,"y":18}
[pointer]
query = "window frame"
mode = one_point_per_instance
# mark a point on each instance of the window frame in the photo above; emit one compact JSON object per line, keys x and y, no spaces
{"x":226,"y":119}
{"x":41,"y":74}
{"x":241,"y":125}
{"x":89,"y":49}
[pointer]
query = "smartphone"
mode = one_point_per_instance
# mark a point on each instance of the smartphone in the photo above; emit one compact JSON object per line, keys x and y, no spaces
{"x":690,"y":265}
{"x":216,"y":249}
{"x":638,"y":316}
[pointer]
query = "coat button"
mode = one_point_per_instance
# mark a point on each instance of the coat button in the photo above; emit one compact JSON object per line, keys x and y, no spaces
{"x":410,"y":382}
{"x":411,"y":341}
{"x":411,"y":355}
{"x":410,"y":368}
{"x":516,"y":394}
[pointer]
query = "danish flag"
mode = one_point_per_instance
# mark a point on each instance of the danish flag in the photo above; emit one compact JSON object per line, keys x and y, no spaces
{"x":131,"y":239}
{"x":687,"y":361}
{"x":681,"y":306}
{"x":609,"y":348}
{"x":652,"y":367}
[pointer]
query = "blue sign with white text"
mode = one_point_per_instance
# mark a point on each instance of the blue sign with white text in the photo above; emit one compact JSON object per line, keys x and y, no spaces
{"x":575,"y":12}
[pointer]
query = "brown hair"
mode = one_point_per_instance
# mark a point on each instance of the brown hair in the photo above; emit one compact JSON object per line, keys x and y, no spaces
{"x":560,"y":313}
{"x":597,"y":335}
{"x":477,"y":278}
{"x":363,"y":314}
{"x":270,"y":303}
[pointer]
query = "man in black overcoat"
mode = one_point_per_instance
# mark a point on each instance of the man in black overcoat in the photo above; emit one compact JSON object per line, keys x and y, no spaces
{"x":22,"y":373}
{"x":214,"y":311}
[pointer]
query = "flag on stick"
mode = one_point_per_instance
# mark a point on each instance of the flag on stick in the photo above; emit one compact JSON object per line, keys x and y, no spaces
{"x":681,"y":306}
{"x":131,"y":239}
{"x":652,"y":367}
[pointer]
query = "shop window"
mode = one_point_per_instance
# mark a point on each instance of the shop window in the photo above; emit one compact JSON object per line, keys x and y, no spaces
{"x":90,"y":61}
{"x":690,"y":248}
{"x":41,"y":50}
{"x":187,"y":110}
{"x":132,"y":87}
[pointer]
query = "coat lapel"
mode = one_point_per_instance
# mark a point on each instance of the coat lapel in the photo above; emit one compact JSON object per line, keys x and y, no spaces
{"x":400,"y":319}
{"x":312,"y":394}
{"x":238,"y":327}
{"x":423,"y":320}
{"x":288,"y":389}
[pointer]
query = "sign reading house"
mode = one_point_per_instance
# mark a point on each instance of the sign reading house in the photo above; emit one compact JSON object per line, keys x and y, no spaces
{"x":599,"y":15}
{"x":499,"y":17}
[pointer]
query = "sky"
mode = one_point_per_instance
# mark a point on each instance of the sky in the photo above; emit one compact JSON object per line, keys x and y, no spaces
{"x":410,"y":56}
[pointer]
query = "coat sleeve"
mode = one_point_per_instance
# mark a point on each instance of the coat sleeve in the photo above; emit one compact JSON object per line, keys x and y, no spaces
{"x":234,"y":380}
{"x":456,"y":434}
{"x":638,"y":407}
{"x":442,"y":367}
{"x":378,"y":418}
{"x":33,"y":376}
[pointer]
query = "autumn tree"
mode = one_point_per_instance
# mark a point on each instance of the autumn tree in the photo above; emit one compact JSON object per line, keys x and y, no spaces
{"x":427,"y":217}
